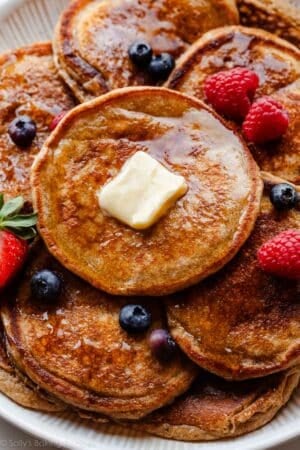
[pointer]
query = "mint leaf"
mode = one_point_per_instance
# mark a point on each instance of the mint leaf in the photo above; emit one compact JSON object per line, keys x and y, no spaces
{"x":1,"y":200}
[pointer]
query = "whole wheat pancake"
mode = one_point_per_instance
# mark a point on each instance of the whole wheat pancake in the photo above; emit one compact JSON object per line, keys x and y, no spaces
{"x":93,"y":36}
{"x":214,"y":408}
{"x":282,"y":157}
{"x":76,"y":350}
{"x":242,"y":322}
{"x":14,"y":386}
{"x":197,"y":236}
{"x":276,"y":62}
{"x":29,"y":85}
{"x":277,"y":16}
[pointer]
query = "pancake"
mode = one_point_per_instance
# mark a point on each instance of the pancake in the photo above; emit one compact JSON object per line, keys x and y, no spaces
{"x":29,"y":85}
{"x":76,"y":350}
{"x":242,"y":322}
{"x":214,"y":408}
{"x":282,"y":158}
{"x":197,"y":236}
{"x":92,"y":37}
{"x":14,"y":386}
{"x":277,"y":16}
{"x":276,"y":62}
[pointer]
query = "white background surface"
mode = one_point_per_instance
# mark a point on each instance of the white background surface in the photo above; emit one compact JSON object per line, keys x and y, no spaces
{"x":12,"y":438}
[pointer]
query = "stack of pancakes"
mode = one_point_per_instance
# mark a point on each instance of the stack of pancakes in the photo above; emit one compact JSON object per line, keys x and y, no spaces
{"x":196,"y":271}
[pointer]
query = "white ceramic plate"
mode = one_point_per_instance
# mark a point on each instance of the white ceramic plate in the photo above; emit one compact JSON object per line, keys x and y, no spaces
{"x":23,"y":22}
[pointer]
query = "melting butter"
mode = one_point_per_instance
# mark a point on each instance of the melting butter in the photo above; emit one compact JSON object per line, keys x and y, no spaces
{"x":142,"y":192}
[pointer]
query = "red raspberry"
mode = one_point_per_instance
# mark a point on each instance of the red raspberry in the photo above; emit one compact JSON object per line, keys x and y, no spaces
{"x":266,"y":121}
{"x":231,"y":92}
{"x":281,"y":255}
{"x":56,"y":120}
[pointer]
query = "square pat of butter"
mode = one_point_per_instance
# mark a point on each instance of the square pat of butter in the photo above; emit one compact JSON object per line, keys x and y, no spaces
{"x":142,"y":192}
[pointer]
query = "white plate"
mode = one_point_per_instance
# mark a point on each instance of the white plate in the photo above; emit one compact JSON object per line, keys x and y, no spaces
{"x":23,"y":22}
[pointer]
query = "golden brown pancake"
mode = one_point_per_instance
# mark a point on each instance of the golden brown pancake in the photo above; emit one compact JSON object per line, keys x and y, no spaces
{"x":14,"y":386}
{"x":276,"y":62}
{"x":282,"y":157}
{"x":197,"y":236}
{"x":214,"y":408}
{"x":277,"y":16}
{"x":29,"y":85}
{"x":93,"y":36}
{"x":242,"y":322}
{"x":76,"y":350}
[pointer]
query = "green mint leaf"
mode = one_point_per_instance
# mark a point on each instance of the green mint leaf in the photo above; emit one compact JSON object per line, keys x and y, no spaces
{"x":12,"y":207}
{"x":1,"y":200}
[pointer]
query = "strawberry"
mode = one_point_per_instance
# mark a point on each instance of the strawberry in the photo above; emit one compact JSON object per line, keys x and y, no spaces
{"x":15,"y":230}
{"x":281,"y":255}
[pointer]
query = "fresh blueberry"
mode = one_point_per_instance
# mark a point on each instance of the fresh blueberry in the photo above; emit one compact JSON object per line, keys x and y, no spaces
{"x":161,"y":66}
{"x":283,"y":196}
{"x":162,"y":345}
{"x":140,"y":53}
{"x":46,"y":285}
{"x":135,"y":318}
{"x":22,"y":131}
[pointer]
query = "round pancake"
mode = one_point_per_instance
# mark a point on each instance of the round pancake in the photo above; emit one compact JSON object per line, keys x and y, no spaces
{"x":197,"y":236}
{"x":14,"y":386}
{"x":277,"y":16}
{"x":214,"y":408}
{"x":76,"y":350}
{"x":276,"y":62}
{"x":242,"y":322}
{"x":282,"y":157}
{"x":92,"y":38}
{"x":29,"y":85}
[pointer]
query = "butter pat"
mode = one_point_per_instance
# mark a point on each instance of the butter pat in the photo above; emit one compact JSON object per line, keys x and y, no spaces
{"x":142,"y":192}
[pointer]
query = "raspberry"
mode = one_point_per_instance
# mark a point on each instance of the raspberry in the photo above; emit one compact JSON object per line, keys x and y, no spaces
{"x":281,"y":255}
{"x":231,"y":92}
{"x":56,"y":120}
{"x":266,"y":121}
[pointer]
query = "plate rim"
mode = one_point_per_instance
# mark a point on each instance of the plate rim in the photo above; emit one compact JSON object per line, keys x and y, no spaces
{"x":283,"y":435}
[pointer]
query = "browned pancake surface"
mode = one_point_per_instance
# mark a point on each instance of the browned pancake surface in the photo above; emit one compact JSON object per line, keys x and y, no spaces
{"x":93,"y":37}
{"x":29,"y":85}
{"x":214,"y":408}
{"x":199,"y":234}
{"x":277,"y":16}
{"x":276,"y":62}
{"x":242,"y":322}
{"x":76,"y":349}
{"x":282,"y":157}
{"x":14,"y":387}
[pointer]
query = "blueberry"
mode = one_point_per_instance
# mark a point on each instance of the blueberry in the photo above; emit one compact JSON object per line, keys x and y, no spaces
{"x":22,"y":131}
{"x":161,"y":66}
{"x":135,"y":318}
{"x":283,"y":196}
{"x":46,"y":285}
{"x":162,"y":345}
{"x":140,"y":53}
